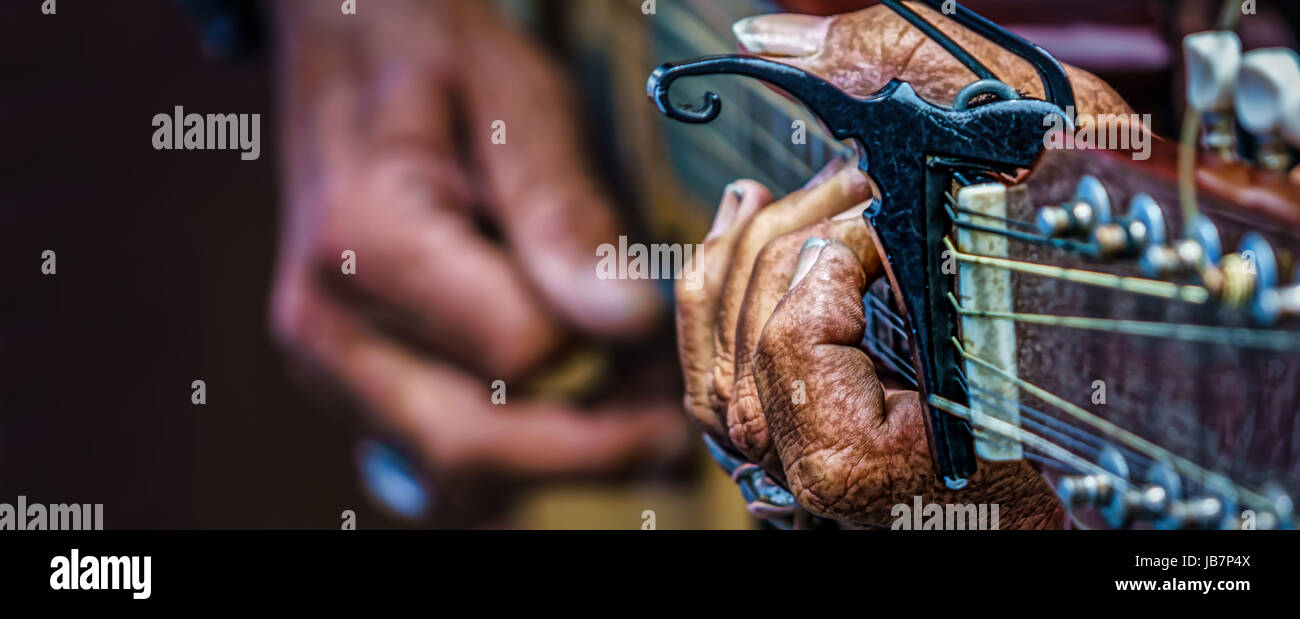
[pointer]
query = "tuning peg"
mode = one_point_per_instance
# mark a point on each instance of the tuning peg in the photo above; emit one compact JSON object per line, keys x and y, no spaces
{"x":1213,"y":58}
{"x":1268,"y":102}
{"x":1089,"y":207}
{"x":1163,"y":476}
{"x":1248,"y":277}
{"x":1143,"y":227}
{"x":1197,"y":513}
{"x":1261,"y":263}
{"x":1107,"y":491}
{"x":1282,"y":514}
{"x":1186,"y":256}
{"x":1282,"y":302}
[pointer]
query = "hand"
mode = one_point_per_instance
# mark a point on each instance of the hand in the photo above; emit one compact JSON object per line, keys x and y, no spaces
{"x":389,"y":118}
{"x":782,"y":299}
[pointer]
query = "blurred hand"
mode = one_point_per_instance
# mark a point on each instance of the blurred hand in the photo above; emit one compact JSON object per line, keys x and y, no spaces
{"x":474,"y":261}
{"x":782,"y":300}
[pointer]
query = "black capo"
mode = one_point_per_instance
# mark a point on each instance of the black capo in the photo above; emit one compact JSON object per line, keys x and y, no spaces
{"x":907,"y":147}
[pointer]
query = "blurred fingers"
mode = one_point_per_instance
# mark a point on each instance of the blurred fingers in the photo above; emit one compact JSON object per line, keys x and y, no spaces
{"x":697,"y":305}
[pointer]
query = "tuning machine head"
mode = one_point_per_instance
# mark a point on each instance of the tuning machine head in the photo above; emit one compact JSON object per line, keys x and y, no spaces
{"x":1268,"y":102}
{"x":1108,"y":491}
{"x":1089,"y":207}
{"x":1260,"y":265}
{"x":1131,"y":235}
{"x":1213,"y":59}
{"x":1201,"y":248}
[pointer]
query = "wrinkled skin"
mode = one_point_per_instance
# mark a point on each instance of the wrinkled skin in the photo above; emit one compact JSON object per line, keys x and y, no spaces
{"x":774,"y":311}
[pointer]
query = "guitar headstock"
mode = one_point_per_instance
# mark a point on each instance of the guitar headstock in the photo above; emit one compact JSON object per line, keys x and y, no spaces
{"x":1153,"y":305}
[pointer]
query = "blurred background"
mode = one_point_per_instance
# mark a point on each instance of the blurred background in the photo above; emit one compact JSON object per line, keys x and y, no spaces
{"x":165,"y":261}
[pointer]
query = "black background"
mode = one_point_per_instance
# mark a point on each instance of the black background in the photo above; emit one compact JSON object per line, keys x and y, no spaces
{"x":164,"y":261}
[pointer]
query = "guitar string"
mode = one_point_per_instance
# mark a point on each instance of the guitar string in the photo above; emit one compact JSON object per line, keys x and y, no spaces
{"x":1196,"y":295}
{"x":1052,"y":430}
{"x":970,"y":388}
{"x":1086,"y":249}
{"x":1043,"y":430}
{"x":1025,"y":437}
{"x":1059,"y":426}
{"x":1052,"y":424}
{"x":1186,"y":468}
{"x":1274,"y":340}
{"x":1037,"y":416}
{"x":1005,"y":220}
{"x":881,"y":309}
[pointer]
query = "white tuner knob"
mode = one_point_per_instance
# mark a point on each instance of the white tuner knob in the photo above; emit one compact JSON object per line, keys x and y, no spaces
{"x":1268,"y":93}
{"x":1212,"y":60}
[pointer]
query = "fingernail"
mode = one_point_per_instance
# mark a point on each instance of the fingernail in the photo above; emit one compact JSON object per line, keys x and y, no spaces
{"x":731,"y":197}
{"x":812,"y":250}
{"x":782,"y":34}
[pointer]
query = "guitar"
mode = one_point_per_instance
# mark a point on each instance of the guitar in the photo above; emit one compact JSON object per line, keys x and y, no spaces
{"x":1126,"y":321}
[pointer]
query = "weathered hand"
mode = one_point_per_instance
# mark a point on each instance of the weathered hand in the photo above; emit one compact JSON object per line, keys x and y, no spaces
{"x":784,"y":320}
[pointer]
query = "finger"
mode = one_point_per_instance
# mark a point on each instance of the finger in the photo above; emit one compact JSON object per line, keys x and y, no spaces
{"x":841,"y":192}
{"x":813,"y":332}
{"x":537,"y":186}
{"x":850,"y":449}
{"x":424,"y":264}
{"x":786,"y":257}
{"x":697,"y":304}
{"x":450,"y":417}
{"x":832,"y":48}
{"x":372,"y":171}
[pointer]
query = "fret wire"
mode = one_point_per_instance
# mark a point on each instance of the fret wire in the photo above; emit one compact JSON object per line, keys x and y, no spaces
{"x":1150,"y":287}
{"x":1185,"y":467}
